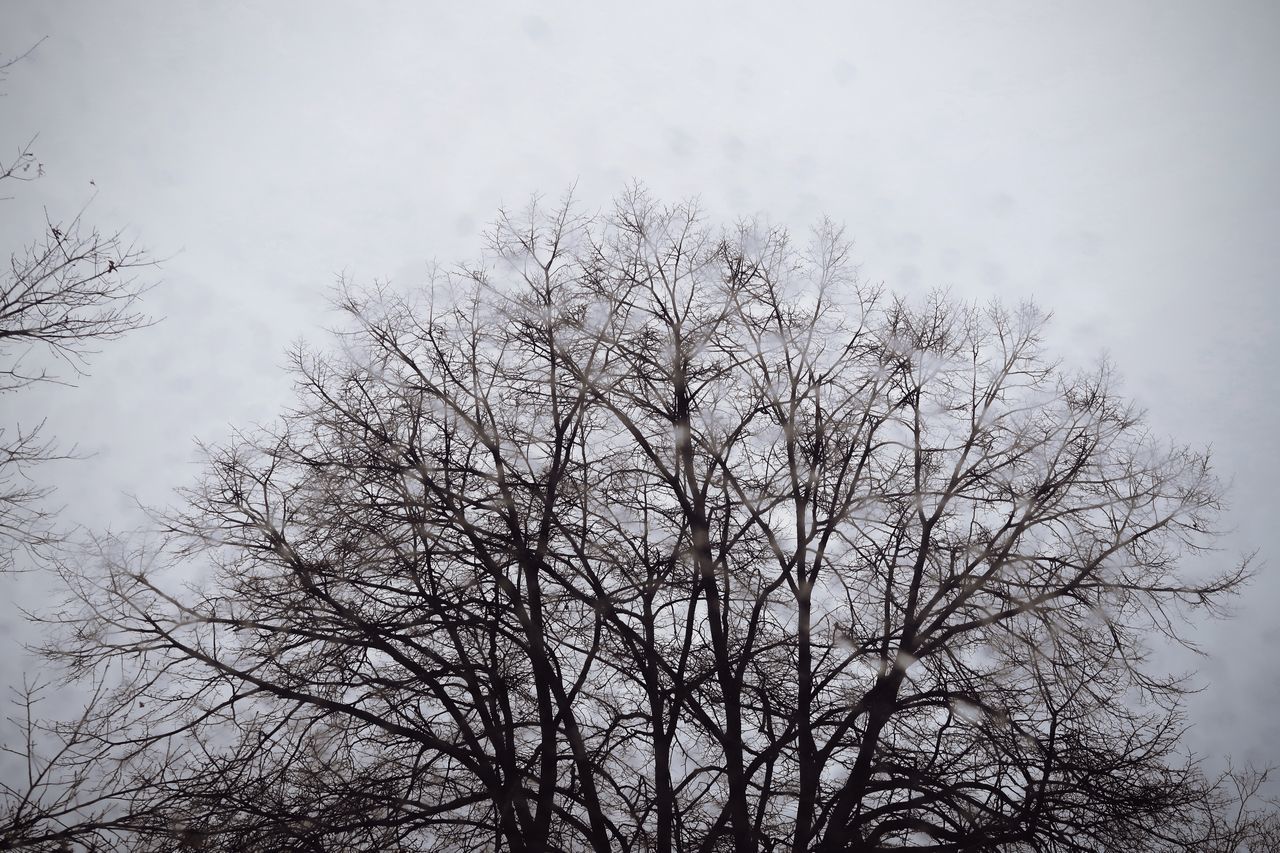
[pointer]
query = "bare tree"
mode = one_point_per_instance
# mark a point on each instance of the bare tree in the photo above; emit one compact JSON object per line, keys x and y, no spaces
{"x":651,"y":537}
{"x":64,"y":787}
{"x":1233,"y":815}
{"x":60,"y":296}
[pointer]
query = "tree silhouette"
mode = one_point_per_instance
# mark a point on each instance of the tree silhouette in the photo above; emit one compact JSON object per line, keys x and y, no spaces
{"x":652,"y":537}
{"x":60,"y":295}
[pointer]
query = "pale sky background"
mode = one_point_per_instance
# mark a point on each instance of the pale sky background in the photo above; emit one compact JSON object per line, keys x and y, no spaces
{"x":1117,"y":162}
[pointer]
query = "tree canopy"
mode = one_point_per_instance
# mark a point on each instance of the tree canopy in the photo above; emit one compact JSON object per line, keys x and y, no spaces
{"x":646,"y":535}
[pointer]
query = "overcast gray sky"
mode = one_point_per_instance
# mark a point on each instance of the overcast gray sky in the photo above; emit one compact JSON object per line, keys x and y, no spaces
{"x":1117,"y":162}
